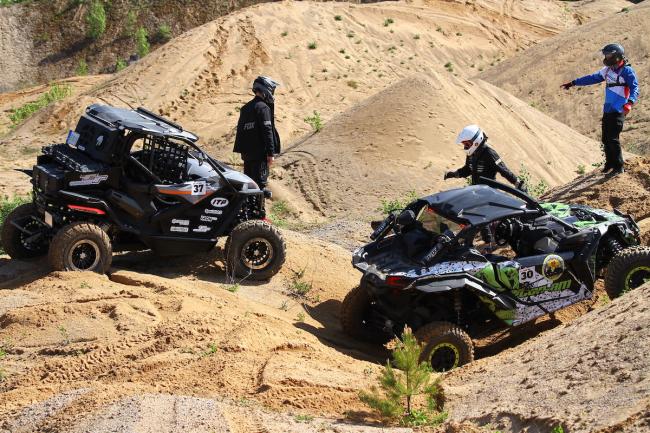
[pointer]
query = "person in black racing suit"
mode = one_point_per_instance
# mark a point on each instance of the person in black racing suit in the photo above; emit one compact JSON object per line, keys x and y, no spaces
{"x":257,"y":140}
{"x":482,"y":160}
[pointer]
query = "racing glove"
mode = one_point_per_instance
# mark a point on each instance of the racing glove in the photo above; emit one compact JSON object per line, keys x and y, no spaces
{"x":567,"y":86}
{"x":626,"y":108}
{"x":448,"y":175}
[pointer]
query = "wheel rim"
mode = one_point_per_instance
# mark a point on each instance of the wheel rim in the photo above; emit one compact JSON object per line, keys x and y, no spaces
{"x":30,"y":246}
{"x":636,"y":277}
{"x":84,"y":255}
{"x":257,"y":253}
{"x":444,"y":357}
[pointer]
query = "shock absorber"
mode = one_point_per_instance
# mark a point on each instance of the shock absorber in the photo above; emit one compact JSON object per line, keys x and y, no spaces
{"x":458,"y":304}
{"x":614,"y":246}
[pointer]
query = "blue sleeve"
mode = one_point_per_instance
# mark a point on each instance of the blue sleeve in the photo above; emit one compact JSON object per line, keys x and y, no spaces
{"x":630,"y":79}
{"x":588,"y":80}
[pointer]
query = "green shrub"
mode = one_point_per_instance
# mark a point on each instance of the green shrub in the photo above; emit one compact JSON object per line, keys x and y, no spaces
{"x":338,"y":18}
{"x":164,"y":33}
{"x":82,"y":68}
{"x":353,"y":84}
{"x":141,"y":43}
{"x":314,"y":121}
{"x":581,"y":169}
{"x":312,"y":45}
{"x":96,"y":20}
{"x":393,"y":400}
{"x":7,"y":205}
{"x":284,"y":33}
{"x":534,"y":189}
{"x":56,"y":93}
{"x":388,"y":206}
{"x":388,"y":21}
{"x":130,"y":24}
{"x":120,"y":64}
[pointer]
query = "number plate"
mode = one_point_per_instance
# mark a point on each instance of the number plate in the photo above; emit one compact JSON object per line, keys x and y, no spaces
{"x":48,"y":219}
{"x":198,"y":188}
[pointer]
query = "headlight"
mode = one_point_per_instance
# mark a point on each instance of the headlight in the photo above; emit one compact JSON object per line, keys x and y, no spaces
{"x":249,"y":186}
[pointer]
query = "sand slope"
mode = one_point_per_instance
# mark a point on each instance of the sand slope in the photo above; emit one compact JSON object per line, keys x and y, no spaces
{"x":404,"y":139}
{"x":536,"y":75}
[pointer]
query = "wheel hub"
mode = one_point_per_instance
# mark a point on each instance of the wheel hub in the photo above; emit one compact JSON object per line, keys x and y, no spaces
{"x":84,"y":255}
{"x":257,"y":253}
{"x":444,"y":357}
{"x":636,"y":277}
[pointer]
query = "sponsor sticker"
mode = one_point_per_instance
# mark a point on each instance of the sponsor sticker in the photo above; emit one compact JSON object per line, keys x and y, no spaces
{"x":201,"y":229}
{"x":553,"y":267}
{"x":214,"y":211}
{"x":72,"y":139}
{"x":179,"y":229}
{"x":89,"y":179}
{"x":208,"y":219}
{"x":219,"y":202}
{"x":181,"y":222}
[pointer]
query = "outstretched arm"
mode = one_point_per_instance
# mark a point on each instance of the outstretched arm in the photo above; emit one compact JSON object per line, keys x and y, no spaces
{"x":590,"y":79}
{"x":464,"y":171}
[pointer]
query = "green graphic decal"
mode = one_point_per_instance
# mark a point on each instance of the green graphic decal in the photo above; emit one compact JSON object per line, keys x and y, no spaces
{"x":559,"y":210}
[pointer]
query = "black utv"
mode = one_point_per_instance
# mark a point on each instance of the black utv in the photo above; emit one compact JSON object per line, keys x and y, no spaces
{"x":428,"y":267}
{"x":132,"y":180}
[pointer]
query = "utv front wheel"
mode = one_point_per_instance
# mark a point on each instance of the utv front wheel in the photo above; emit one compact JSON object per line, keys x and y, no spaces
{"x":356,"y":311}
{"x":446,"y":346}
{"x":628,"y":270}
{"x":255,"y":250}
{"x":22,"y":234}
{"x":81,"y":247}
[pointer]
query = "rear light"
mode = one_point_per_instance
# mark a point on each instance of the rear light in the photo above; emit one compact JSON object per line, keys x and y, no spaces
{"x":86,"y":209}
{"x":397,"y":282}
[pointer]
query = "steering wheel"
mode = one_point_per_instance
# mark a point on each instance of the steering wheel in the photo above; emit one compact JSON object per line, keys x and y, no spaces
{"x":503,"y":232}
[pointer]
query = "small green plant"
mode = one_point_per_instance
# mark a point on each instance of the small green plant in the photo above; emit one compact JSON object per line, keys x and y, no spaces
{"x":534,"y":189}
{"x":299,"y":288}
{"x":164,"y":33}
{"x":342,"y":51}
{"x":284,"y":33}
{"x":64,"y":335}
{"x":558,"y":429}
{"x":353,"y":84}
{"x":312,"y":45}
{"x":398,"y":386}
{"x":82,"y":67}
{"x":284,"y":306}
{"x":120,"y":64}
{"x":301,"y":317}
{"x":449,"y":66}
{"x":56,"y":93}
{"x":279,"y":213}
{"x":212,"y":349}
{"x":622,"y":11}
{"x":338,"y":18}
{"x":314,"y":121}
{"x":439,"y":29}
{"x":84,"y":285}
{"x":303,"y":418}
{"x":130,"y":24}
{"x":96,"y":20}
{"x":416,"y":37}
{"x":141,"y":42}
{"x":596,"y":164}
{"x":233,"y":288}
{"x":388,"y":206}
{"x":581,"y":169}
{"x":459,"y":34}
{"x":388,"y":21}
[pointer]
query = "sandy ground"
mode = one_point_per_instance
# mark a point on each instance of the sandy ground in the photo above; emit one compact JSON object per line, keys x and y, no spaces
{"x":536,"y":75}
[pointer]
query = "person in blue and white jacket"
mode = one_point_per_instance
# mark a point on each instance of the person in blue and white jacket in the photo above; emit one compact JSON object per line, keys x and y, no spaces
{"x":621,"y":93}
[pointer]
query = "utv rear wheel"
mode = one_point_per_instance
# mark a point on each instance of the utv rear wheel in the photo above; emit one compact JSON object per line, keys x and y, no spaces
{"x":446,"y":346}
{"x":28,"y":240}
{"x":628,"y":270}
{"x":256,"y":250}
{"x":355,"y":317}
{"x":81,"y":247}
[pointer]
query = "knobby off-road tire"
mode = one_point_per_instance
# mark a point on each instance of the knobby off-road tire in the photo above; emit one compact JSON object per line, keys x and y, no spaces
{"x":628,"y":270}
{"x":354,"y":312}
{"x":13,"y":240}
{"x":446,"y":346}
{"x":81,"y":246}
{"x":255,"y":250}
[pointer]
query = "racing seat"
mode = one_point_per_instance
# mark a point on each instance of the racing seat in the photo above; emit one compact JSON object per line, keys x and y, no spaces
{"x":535,"y":240}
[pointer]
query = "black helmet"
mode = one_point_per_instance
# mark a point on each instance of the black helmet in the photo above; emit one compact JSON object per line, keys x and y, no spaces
{"x":613,"y":53}
{"x":266,"y":86}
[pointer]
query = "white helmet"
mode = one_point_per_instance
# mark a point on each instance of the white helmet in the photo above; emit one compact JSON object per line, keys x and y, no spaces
{"x":471,"y":137}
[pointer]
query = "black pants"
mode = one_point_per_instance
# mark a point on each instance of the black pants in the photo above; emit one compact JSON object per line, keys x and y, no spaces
{"x":612,"y":127}
{"x":258,"y":170}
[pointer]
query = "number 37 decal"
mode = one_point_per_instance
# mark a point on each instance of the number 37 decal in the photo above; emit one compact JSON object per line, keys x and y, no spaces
{"x":198,"y":188}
